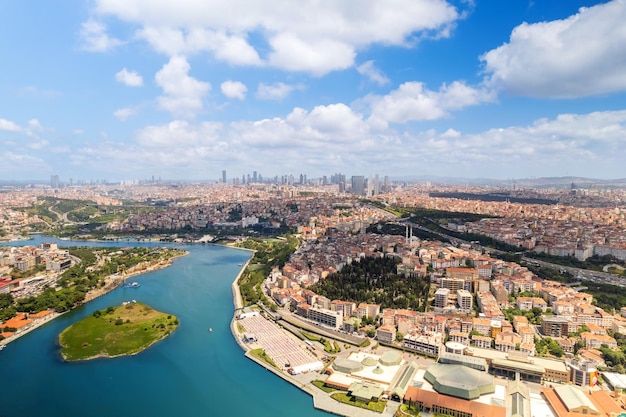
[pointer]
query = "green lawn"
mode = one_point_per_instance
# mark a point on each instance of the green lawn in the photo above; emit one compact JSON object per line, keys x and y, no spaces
{"x":322,"y":385}
{"x":116,"y":331}
{"x":377,"y":406}
{"x":260,"y":353}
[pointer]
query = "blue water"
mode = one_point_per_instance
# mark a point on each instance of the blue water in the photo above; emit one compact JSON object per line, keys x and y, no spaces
{"x":193,"y":372}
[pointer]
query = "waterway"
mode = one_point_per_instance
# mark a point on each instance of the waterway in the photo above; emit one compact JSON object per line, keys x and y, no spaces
{"x":194,"y":372}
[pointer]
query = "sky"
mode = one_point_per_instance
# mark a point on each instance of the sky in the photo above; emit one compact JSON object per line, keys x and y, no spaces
{"x":183,"y":89}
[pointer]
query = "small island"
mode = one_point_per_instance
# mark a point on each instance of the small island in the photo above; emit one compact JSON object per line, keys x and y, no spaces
{"x":116,"y":331}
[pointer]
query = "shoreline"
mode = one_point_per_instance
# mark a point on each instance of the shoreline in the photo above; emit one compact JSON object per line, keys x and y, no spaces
{"x":321,"y":400}
{"x":114,"y":282}
{"x":106,"y":356}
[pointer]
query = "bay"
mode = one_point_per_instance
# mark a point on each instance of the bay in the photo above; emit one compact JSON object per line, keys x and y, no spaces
{"x":193,"y":372}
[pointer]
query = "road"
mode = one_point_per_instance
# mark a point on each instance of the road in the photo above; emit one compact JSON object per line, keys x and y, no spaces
{"x":583,"y":274}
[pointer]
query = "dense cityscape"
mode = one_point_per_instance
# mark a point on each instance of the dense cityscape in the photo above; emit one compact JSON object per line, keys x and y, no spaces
{"x":494,"y":293}
{"x":395,"y":208}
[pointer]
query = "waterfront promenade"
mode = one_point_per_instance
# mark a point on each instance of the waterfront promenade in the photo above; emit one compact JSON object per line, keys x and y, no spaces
{"x":303,"y":381}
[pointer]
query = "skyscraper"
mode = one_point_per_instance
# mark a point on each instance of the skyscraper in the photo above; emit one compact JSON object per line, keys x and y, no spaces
{"x":358,"y":185}
{"x":54,"y":181}
{"x":224,"y":176}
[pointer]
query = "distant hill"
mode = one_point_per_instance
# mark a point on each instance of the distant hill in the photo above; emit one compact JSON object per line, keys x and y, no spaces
{"x":541,"y":182}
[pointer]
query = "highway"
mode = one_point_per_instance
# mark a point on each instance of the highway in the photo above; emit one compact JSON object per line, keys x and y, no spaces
{"x":578,"y":273}
{"x":583,"y":274}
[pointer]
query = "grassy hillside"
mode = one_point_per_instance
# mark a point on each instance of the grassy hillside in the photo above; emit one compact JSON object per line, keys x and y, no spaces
{"x":116,"y":331}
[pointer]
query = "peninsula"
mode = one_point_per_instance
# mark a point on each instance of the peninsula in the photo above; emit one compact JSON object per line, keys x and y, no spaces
{"x":117,"y":331}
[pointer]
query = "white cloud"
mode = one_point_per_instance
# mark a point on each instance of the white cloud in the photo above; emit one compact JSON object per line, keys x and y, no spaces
{"x":16,"y":165}
{"x":235,"y":50}
{"x":78,"y":131}
{"x":276,"y":91}
{"x":318,"y":56}
{"x":231,"y":48}
{"x":373,"y":73}
{"x":326,"y":33}
{"x":9,"y":126}
{"x":411,"y":102}
{"x":179,"y":133}
{"x":234,"y":89}
{"x":183,"y":93}
{"x":579,"y":56}
{"x":129,"y":78}
{"x":124,"y":113}
{"x":94,"y":37}
{"x":32,"y":128}
{"x":330,"y":138}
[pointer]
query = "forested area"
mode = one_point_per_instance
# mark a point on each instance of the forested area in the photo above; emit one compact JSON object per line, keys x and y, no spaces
{"x":268,"y":253}
{"x":375,"y":280}
{"x":606,"y":296}
{"x":74,"y":283}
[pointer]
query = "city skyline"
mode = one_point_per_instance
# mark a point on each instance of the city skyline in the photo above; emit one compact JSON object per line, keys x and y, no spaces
{"x":185,"y":90}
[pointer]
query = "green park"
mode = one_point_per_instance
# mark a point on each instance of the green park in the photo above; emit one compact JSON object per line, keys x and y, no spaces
{"x":116,"y":331}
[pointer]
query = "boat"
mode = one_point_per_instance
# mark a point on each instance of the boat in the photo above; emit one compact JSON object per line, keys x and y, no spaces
{"x":210,"y":329}
{"x":2,"y":346}
{"x":134,"y":284}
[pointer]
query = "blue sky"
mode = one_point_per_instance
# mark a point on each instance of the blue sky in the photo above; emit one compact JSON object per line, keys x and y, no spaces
{"x":182,"y":89}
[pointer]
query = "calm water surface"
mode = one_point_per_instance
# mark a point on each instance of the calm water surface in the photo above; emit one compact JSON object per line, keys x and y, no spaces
{"x":193,"y":372}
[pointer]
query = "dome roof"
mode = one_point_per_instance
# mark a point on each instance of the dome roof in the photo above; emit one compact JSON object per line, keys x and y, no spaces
{"x":347,"y":366}
{"x":390,"y":358}
{"x":378,"y":371}
{"x":459,"y":381}
{"x":369,"y":361}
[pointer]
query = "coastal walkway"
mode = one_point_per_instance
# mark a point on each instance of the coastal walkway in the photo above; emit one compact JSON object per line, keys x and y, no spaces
{"x":303,"y":381}
{"x":321,"y":400}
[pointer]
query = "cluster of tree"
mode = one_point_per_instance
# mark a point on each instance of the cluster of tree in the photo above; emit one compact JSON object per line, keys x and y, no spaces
{"x":548,"y":346}
{"x":606,"y":296}
{"x":502,"y":197}
{"x":551,"y":274}
{"x":533,"y":315}
{"x":508,"y":256}
{"x":62,"y":300}
{"x":77,"y":280}
{"x":614,"y":359}
{"x":6,"y":307}
{"x":444,"y":216}
{"x":267,"y":255}
{"x":375,"y":280}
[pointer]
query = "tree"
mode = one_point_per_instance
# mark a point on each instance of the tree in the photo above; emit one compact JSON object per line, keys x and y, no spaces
{"x":399,"y":337}
{"x":6,"y":300}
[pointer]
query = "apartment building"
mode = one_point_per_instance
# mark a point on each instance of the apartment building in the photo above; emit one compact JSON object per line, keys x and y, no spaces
{"x":326,"y":317}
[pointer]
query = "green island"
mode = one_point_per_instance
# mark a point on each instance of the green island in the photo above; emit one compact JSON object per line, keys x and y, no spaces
{"x":116,"y":331}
